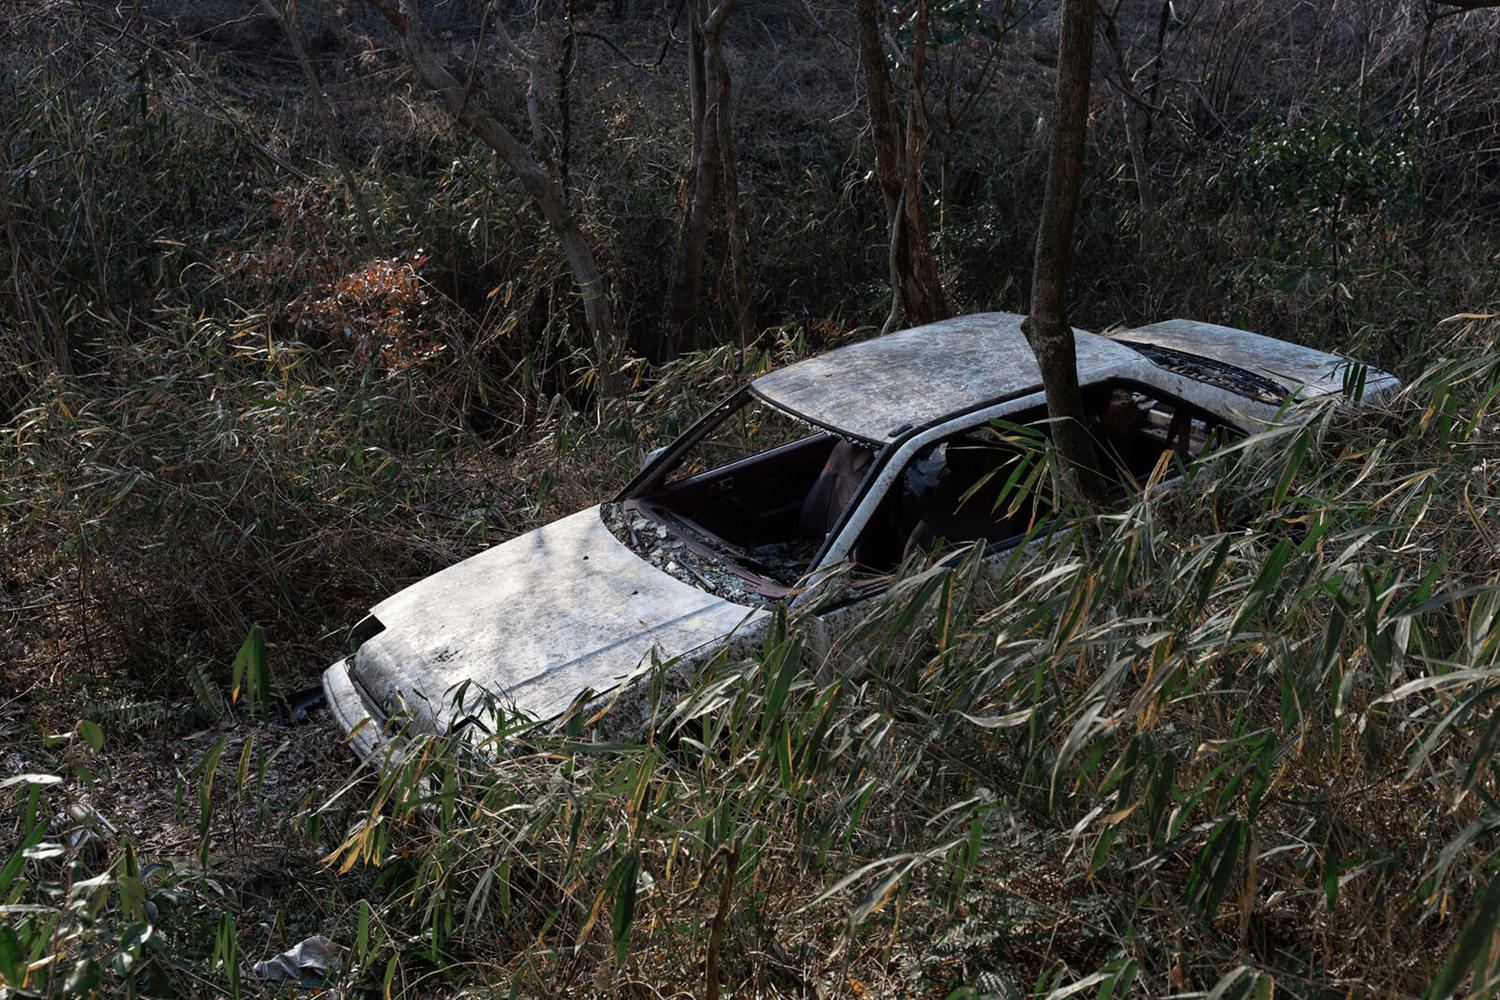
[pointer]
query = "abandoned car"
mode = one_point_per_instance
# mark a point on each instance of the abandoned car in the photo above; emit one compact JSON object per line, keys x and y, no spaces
{"x":888,"y":449}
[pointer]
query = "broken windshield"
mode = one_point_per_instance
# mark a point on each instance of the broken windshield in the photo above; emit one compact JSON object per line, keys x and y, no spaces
{"x":742,"y":507}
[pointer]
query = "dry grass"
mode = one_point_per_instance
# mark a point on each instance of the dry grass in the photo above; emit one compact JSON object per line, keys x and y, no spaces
{"x":222,"y":410}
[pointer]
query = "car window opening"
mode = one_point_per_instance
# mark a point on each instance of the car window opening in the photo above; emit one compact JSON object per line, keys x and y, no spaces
{"x":990,"y":484}
{"x":744,"y":510}
{"x":1134,"y":428}
{"x":987,"y":483}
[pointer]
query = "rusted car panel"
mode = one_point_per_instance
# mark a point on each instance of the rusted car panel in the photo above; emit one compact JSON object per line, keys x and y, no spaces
{"x":865,"y":471}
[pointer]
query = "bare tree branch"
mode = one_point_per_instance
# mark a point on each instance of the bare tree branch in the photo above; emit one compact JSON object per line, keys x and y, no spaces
{"x":536,"y":181}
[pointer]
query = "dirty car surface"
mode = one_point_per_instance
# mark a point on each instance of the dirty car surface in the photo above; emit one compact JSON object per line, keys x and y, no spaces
{"x":870,"y":454}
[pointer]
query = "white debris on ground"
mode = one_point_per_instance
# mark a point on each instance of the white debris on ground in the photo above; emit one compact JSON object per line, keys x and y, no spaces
{"x":310,"y":961}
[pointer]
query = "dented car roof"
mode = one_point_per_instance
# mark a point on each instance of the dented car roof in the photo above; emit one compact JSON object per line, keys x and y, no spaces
{"x":880,"y":388}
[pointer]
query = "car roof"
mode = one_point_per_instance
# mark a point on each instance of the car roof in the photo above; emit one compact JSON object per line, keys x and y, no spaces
{"x":880,"y":388}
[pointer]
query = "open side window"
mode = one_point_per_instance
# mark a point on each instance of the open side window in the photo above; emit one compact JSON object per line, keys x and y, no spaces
{"x":987,"y":483}
{"x":990,"y":483}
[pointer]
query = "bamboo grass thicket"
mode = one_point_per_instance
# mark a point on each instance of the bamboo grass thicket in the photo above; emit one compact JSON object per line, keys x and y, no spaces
{"x":1239,"y":735}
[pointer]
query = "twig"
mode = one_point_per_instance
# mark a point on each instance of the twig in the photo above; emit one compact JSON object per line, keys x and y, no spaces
{"x":660,"y":55}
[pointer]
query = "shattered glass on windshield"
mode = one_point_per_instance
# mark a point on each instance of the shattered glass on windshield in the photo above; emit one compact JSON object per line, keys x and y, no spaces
{"x":686,"y":554}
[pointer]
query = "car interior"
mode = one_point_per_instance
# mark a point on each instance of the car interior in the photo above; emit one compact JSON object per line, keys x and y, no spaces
{"x":783,"y":489}
{"x":992,"y":487}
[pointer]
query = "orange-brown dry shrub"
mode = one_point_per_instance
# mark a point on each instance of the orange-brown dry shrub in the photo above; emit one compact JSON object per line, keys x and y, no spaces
{"x":379,"y":306}
{"x":383,"y":310}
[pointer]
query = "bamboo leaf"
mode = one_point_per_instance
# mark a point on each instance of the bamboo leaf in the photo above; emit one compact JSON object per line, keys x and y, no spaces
{"x":1476,"y":939}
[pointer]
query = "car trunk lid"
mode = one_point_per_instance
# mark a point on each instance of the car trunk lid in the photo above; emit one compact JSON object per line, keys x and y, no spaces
{"x":1305,"y":371}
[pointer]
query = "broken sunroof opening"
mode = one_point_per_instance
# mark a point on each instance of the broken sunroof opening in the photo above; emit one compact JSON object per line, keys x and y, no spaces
{"x":1216,"y":373}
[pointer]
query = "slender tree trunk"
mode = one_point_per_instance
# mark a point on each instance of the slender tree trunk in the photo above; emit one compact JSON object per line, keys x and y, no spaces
{"x":543,"y":189}
{"x":1144,"y":193}
{"x":1047,"y":326}
{"x":702,"y":194}
{"x":712,"y":189}
{"x":923,"y":288}
{"x":915,"y":285}
{"x":1152,"y":89}
{"x":1429,"y":21}
{"x":738,"y":254}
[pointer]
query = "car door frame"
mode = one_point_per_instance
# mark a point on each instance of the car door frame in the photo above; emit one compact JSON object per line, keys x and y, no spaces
{"x":893,"y":460}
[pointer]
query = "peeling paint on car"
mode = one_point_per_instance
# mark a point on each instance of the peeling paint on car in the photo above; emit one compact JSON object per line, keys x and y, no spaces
{"x":877,"y":389}
{"x":1308,"y":370}
{"x":533,"y":622}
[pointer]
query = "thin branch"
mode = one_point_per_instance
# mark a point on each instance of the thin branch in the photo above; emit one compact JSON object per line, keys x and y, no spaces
{"x":537,"y":182}
{"x":286,"y":15}
{"x":711,"y":985}
{"x":660,"y":55}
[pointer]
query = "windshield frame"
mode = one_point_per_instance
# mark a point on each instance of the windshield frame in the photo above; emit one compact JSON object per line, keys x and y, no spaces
{"x":653,"y":475}
{"x":638,"y":499}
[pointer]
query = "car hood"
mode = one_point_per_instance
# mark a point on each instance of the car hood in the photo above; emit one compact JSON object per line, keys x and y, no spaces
{"x":535,"y":622}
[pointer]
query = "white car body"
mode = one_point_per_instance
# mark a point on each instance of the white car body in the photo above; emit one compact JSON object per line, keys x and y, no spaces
{"x":570,"y":615}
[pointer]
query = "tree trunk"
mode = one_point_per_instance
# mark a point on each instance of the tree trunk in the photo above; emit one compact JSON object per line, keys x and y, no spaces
{"x":923,"y":290}
{"x":712,"y":187}
{"x":1047,"y":326}
{"x":738,"y":267}
{"x":702,"y":192}
{"x":915,"y":286}
{"x":542,"y":188}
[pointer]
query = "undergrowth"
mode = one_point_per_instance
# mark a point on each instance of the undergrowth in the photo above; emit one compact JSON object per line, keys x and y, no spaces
{"x":1239,"y":735}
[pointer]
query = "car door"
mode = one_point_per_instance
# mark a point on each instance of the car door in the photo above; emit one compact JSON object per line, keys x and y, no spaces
{"x":982,"y":479}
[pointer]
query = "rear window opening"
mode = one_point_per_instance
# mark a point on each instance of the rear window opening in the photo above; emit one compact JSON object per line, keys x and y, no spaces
{"x":1134,"y":427}
{"x":1225,"y":376}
